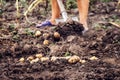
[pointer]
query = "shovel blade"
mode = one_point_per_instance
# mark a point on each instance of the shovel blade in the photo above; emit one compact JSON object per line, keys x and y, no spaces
{"x":63,"y":20}
{"x":59,"y":21}
{"x":75,"y":19}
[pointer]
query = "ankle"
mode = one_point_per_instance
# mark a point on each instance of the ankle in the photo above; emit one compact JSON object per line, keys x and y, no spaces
{"x":52,"y":21}
{"x":85,"y":25}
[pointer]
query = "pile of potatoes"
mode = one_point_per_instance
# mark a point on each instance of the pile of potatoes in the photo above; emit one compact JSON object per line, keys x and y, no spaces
{"x":38,"y":33}
{"x":40,"y":57}
{"x":71,"y":59}
{"x":34,"y":59}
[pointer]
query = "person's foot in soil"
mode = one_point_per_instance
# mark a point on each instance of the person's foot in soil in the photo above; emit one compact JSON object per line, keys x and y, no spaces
{"x":45,"y":23}
{"x":83,"y":6}
{"x":83,"y":12}
{"x":85,"y":26}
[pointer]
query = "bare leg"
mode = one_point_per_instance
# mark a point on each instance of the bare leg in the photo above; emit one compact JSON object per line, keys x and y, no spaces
{"x":55,"y":11}
{"x":83,"y":6}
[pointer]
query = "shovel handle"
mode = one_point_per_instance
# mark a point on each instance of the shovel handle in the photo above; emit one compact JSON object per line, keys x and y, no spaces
{"x":61,"y":6}
{"x":62,"y":9}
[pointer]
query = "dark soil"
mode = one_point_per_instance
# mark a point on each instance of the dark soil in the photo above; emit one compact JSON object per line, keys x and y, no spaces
{"x":21,"y":42}
{"x":69,"y":28}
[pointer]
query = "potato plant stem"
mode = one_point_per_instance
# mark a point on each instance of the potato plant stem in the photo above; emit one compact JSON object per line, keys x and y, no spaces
{"x":17,"y":7}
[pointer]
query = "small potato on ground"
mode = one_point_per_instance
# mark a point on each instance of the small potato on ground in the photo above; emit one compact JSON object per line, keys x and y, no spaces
{"x":74,"y":59}
{"x":53,"y":58}
{"x":30,"y":58}
{"x":56,"y":35}
{"x":46,"y":35}
{"x":44,"y":59}
{"x":93,"y":58}
{"x":39,"y":56}
{"x":34,"y":60}
{"x":82,"y":61}
{"x":37,"y":33}
{"x":22,"y":59}
{"x":46,"y":42}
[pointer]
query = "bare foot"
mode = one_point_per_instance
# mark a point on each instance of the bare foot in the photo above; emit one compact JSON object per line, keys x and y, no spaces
{"x":53,"y":21}
{"x":85,"y":27}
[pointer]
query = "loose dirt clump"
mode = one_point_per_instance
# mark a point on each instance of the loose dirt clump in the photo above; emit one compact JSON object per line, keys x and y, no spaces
{"x":70,"y":28}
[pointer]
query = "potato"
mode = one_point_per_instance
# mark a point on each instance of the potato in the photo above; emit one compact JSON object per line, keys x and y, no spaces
{"x":46,"y":35}
{"x":39,"y":56}
{"x":46,"y":42}
{"x":53,"y":58}
{"x":44,"y":59}
{"x":22,"y":59}
{"x":34,"y":60}
{"x":30,"y":58}
{"x":74,"y":59}
{"x":93,"y":58}
{"x":56,"y":35}
{"x":37,"y":33}
{"x":82,"y":61}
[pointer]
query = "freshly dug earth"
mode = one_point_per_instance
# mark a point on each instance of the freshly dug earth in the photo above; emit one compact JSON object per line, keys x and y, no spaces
{"x":69,"y":28}
{"x":21,"y":42}
{"x":104,"y":44}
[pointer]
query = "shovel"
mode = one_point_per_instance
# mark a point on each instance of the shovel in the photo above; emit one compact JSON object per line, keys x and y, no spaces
{"x":64,"y":13}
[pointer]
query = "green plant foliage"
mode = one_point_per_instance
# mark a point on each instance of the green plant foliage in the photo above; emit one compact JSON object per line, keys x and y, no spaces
{"x":105,"y":0}
{"x":29,"y":31}
{"x":67,"y":54}
{"x":1,"y":11}
{"x":11,"y":27}
{"x":71,"y":4}
{"x":16,"y":37}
